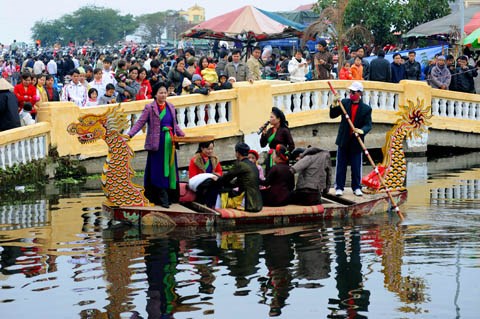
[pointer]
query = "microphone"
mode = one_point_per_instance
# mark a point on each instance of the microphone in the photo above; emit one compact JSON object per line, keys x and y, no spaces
{"x":264,"y":126}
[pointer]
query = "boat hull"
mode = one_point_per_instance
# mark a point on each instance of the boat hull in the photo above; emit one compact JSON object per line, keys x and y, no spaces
{"x":348,"y":206}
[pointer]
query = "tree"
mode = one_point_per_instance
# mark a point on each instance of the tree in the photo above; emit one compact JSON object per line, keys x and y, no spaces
{"x":155,"y":24}
{"x":87,"y":23}
{"x":416,"y":12}
{"x":332,"y":22}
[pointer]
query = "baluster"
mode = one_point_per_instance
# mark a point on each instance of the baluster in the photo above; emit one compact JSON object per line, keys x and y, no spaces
{"x":366,"y":97}
{"x":458,"y":109}
{"x":22,"y":151}
{"x":382,"y":100}
{"x":276,"y":101}
{"x":42,"y":146}
{"x":374,"y":100}
{"x":2,"y":157}
{"x":9,"y":155}
{"x":306,"y":101}
{"x":390,"y":101}
{"x":287,"y":104}
{"x":451,"y":108}
{"x":466,"y":110}
{"x":477,"y":111}
{"x":229,"y":111}
{"x":36,"y":147}
{"x":472,"y":111}
{"x":29,"y":150}
{"x":296,"y":103}
{"x":443,"y":107}
{"x":324,"y":103}
{"x":435,"y":106}
{"x":191,"y":116}
{"x":201,"y":115}
{"x":221,"y":112}
{"x":16,"y":146}
{"x":211,"y":111}
{"x":180,"y":117}
{"x":396,"y":98}
{"x":314,"y":97}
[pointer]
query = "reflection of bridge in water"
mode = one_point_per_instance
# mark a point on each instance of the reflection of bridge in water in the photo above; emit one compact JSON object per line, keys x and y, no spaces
{"x":444,"y":180}
{"x":23,"y":216}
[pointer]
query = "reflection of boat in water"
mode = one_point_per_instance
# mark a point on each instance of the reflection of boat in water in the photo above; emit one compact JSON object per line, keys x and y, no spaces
{"x":347,"y":206}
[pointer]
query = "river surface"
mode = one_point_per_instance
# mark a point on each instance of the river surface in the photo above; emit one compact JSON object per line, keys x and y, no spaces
{"x":59,"y":259}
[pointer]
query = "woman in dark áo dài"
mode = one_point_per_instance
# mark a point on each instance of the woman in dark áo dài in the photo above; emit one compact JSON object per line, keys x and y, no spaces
{"x":280,"y":181}
{"x":278,"y":133}
{"x":161,"y":173}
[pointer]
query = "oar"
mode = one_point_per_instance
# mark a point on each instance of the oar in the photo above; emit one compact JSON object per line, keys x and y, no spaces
{"x":365,"y":151}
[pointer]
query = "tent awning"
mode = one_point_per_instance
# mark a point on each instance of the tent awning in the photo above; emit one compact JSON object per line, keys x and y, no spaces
{"x":444,"y":25}
{"x":246,"y":24}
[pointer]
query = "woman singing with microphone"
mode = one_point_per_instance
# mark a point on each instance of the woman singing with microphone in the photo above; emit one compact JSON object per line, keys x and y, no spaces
{"x":278,"y":133}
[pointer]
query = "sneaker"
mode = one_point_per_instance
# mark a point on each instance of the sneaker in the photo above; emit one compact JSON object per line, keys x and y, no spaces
{"x":358,"y":192}
{"x":339,"y":192}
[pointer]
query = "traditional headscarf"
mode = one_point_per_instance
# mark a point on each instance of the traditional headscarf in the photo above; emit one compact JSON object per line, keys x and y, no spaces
{"x":281,"y":152}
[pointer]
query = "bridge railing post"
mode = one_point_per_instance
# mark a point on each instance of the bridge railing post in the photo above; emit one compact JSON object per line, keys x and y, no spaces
{"x":59,"y":115}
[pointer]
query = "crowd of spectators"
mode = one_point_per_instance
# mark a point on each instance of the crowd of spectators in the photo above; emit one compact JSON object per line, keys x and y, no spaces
{"x":98,"y":77}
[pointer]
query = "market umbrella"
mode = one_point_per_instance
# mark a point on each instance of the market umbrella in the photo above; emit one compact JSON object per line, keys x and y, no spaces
{"x":246,"y":24}
{"x":444,"y":25}
{"x":472,"y":40}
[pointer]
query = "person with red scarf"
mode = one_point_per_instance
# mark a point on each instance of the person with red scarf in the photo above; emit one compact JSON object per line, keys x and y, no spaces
{"x":161,"y":172}
{"x":349,"y":149}
{"x":26,"y":92}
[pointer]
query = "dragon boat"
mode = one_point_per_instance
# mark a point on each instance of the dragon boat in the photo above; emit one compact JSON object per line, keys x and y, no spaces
{"x":125,"y":200}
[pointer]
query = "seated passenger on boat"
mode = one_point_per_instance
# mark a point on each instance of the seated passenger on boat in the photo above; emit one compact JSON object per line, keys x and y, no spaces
{"x":314,"y":171}
{"x":244,"y":176}
{"x":280,"y":181}
{"x":205,"y":161}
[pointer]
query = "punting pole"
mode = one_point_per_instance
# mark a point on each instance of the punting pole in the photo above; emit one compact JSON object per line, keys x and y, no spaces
{"x":365,"y":151}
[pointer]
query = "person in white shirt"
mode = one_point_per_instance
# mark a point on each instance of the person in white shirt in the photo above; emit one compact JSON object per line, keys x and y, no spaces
{"x":52,"y":67}
{"x":75,"y":91}
{"x":97,"y":82}
{"x":25,"y":116}
{"x":298,"y":67}
{"x":38,"y":66}
{"x":108,"y":75}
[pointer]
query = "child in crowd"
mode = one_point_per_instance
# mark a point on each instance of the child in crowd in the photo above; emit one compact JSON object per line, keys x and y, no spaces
{"x":196,"y":86}
{"x":222,"y":84}
{"x":171,"y":88}
{"x":25,"y":116}
{"x":209,"y":74}
{"x":109,"y":96}
{"x":121,"y":75}
{"x":253,"y":157}
{"x":232,"y":80}
{"x":357,"y":69}
{"x":92,"y":97}
{"x":345,"y":72}
{"x":186,"y":86}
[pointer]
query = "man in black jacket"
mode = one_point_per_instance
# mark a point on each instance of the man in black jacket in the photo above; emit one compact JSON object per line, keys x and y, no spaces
{"x":464,"y":74}
{"x":413,"y":69}
{"x":9,"y":117}
{"x":349,"y":149}
{"x":380,"y":69}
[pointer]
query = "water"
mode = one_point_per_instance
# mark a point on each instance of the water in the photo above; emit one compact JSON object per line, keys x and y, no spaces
{"x":58,"y":259}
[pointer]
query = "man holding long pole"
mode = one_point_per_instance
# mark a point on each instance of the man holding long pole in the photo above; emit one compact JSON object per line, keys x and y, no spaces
{"x":349,"y":150}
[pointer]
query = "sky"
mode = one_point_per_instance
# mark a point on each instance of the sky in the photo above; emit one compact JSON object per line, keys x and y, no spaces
{"x":19,"y":24}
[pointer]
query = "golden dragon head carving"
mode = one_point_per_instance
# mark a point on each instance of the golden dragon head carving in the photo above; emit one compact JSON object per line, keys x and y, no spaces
{"x":92,"y":127}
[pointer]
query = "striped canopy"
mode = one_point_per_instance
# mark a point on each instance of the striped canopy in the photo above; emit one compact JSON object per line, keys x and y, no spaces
{"x":246,"y":24}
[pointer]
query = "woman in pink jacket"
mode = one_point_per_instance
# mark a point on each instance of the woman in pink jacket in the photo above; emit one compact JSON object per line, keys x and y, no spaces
{"x":161,"y":172}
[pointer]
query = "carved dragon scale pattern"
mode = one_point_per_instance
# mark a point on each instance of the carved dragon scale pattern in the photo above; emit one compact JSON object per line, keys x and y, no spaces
{"x":117,"y":171}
